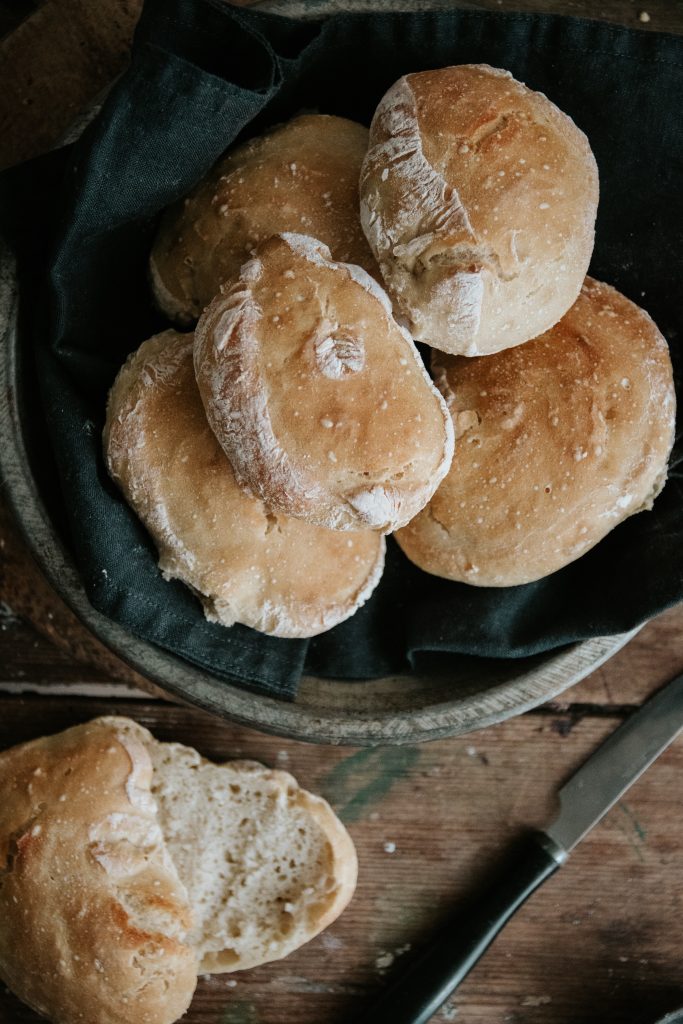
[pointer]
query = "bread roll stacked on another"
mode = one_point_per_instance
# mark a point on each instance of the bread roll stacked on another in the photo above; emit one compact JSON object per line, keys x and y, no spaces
{"x":318,"y":397}
{"x":270,"y":499}
{"x":246,"y":563}
{"x":129,"y":866}
{"x":478,"y":198}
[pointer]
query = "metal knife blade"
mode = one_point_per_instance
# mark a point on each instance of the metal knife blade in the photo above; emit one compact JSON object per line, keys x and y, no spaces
{"x":420,"y":990}
{"x":614,"y":766}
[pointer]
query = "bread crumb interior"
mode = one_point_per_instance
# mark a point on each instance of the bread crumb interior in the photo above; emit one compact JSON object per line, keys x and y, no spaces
{"x":258,"y":869}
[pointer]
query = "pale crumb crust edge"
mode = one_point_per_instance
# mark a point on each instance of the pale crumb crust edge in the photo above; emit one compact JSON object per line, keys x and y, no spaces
{"x":345,"y":859}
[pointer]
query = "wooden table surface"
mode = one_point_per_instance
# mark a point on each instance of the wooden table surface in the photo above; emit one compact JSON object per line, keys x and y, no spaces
{"x":600,"y":942}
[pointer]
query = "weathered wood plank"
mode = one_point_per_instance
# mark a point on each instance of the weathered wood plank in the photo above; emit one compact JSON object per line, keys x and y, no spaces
{"x":653,"y":657}
{"x":601,"y":941}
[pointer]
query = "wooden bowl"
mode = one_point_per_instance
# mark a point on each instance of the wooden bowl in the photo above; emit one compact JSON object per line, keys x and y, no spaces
{"x":475,"y":692}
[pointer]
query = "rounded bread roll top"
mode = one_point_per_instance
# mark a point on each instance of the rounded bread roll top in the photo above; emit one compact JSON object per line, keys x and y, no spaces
{"x":478,"y":198}
{"x":557,"y":442}
{"x":94,"y":920}
{"x":319,"y":398}
{"x":302,"y":176}
{"x":246,"y":564}
{"x":128,"y":865}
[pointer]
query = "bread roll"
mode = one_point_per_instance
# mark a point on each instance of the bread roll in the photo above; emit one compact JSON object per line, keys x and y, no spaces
{"x":94,"y":919}
{"x":128,"y":865}
{"x":303,"y":176}
{"x":245,"y":563}
{"x":478,"y":198}
{"x":272,"y":864}
{"x":318,"y":397}
{"x":558,"y":441}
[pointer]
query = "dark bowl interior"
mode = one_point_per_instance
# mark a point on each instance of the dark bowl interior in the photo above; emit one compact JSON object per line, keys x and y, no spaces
{"x":452,"y":698}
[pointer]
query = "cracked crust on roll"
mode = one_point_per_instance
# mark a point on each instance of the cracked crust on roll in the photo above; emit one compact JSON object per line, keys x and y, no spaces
{"x":245,"y":562}
{"x":319,"y":398}
{"x":108,"y":838}
{"x":478,"y":199}
{"x":94,"y":920}
{"x":301,"y":176}
{"x":558,"y":441}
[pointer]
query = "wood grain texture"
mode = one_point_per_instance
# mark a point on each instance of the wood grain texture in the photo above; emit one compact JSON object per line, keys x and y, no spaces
{"x":26,"y":596}
{"x":600,"y":942}
{"x":601,"y":938}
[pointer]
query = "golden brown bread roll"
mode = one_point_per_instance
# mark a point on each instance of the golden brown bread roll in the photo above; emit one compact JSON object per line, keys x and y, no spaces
{"x":557,"y":442}
{"x":302,"y":176}
{"x":94,"y":919}
{"x":246,"y":564}
{"x":478,"y":198}
{"x":128,"y":865}
{"x":319,"y":398}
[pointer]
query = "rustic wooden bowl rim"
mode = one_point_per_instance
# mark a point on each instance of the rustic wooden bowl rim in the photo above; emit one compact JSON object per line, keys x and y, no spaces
{"x":393,"y":710}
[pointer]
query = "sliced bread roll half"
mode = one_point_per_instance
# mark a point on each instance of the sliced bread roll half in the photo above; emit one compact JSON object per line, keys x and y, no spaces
{"x":127,"y":866}
{"x":273,"y":865}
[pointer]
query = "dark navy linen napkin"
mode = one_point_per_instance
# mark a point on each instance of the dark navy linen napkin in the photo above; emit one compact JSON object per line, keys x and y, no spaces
{"x":204,"y":74}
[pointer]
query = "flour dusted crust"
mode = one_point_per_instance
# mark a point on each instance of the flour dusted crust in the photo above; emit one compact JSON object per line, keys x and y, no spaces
{"x":317,"y":395}
{"x":94,"y":920}
{"x":302,"y":176}
{"x":478,"y":199}
{"x":558,"y":441}
{"x":127,"y":865}
{"x":246,"y":564}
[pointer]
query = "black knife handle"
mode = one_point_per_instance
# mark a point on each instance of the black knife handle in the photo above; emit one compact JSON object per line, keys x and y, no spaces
{"x":418,"y":993}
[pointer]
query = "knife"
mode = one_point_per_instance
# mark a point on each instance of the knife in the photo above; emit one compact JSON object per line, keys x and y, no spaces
{"x":421,"y":989}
